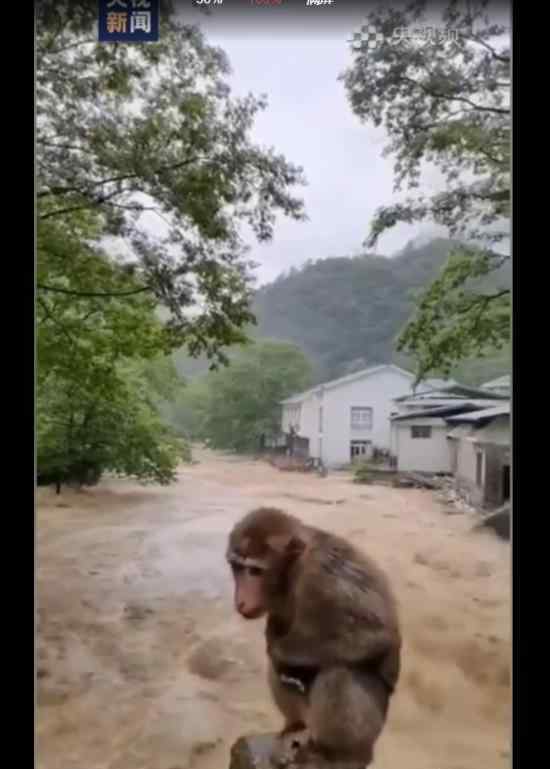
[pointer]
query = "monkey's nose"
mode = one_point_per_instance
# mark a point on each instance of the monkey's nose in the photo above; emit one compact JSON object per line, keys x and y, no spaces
{"x":247,"y":612}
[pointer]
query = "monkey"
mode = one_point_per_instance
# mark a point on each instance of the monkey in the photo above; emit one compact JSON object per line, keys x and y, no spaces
{"x":332,"y":635}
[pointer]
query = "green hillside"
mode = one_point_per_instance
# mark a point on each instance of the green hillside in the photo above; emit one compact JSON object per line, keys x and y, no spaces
{"x":345,"y":313}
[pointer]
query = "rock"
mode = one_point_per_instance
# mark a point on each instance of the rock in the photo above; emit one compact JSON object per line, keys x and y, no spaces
{"x":253,"y":752}
{"x":256,"y":752}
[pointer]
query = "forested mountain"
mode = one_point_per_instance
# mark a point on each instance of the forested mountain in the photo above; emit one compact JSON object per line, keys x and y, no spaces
{"x":345,"y":313}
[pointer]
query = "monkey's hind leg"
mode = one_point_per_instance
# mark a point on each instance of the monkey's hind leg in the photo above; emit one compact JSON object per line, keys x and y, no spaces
{"x":346,"y":716}
{"x":292,"y":705}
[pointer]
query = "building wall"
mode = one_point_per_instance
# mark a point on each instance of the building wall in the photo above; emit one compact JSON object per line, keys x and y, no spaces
{"x":308,"y":427}
{"x":493,"y":442}
{"x":465,"y":476}
{"x":428,"y":455}
{"x":291,"y":416}
{"x":375,"y":391}
{"x":496,"y":457}
{"x":304,"y":415}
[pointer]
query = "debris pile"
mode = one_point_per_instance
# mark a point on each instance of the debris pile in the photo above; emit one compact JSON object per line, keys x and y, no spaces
{"x":454,"y":502}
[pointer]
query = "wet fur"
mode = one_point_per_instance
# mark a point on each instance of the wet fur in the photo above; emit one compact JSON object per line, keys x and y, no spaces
{"x":331,"y":610}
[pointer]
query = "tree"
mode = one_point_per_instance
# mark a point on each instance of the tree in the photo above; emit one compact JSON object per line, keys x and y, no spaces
{"x":149,"y":136}
{"x":97,"y":386}
{"x":145,"y":177}
{"x":239,"y":404}
{"x":445,"y":100}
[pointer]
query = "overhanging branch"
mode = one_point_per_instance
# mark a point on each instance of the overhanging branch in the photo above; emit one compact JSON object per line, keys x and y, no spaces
{"x":93,"y":294}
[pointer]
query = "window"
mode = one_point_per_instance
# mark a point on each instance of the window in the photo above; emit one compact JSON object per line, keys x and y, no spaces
{"x":479,"y":468}
{"x":361,"y":418}
{"x":320,"y":419}
{"x":421,"y":431}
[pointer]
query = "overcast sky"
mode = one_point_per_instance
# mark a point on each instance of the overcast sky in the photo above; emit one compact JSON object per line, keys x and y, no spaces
{"x":309,"y":120}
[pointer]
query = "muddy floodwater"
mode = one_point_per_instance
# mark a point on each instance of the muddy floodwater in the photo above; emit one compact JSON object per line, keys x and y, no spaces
{"x":143,"y":665}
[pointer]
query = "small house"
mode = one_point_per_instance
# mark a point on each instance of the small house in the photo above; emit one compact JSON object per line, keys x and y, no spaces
{"x":419,"y":428}
{"x":419,"y":438}
{"x":480,"y":444}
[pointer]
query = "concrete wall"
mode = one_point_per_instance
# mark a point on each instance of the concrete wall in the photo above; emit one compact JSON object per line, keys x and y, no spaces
{"x":465,"y":476}
{"x":495,"y":459}
{"x":493,"y":443}
{"x":309,"y":425}
{"x":428,"y":455}
{"x":375,"y":391}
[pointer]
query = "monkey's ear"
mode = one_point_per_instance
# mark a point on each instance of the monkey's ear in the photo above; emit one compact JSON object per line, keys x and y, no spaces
{"x":295,"y":547}
{"x":288,"y":545}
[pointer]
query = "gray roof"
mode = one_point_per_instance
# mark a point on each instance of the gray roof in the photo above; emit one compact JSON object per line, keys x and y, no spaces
{"x":501,"y":381}
{"x":298,"y":397}
{"x":483,"y":414}
{"x":345,"y":380}
{"x":453,"y":391}
{"x":439,"y":411}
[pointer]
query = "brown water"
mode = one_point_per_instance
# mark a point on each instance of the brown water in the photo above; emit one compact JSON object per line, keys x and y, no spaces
{"x":143,"y":665}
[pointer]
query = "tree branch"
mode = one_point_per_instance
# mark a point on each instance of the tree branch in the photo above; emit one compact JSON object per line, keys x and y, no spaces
{"x":499,"y":57}
{"x":93,"y":202}
{"x":482,"y":301}
{"x":54,"y":320}
{"x":93,"y":294}
{"x":454,"y":97}
{"x":123,"y":178}
{"x":78,"y":43}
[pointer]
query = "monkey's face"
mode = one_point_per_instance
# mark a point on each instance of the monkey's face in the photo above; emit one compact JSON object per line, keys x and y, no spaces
{"x":251,"y":595}
{"x":261,"y":555}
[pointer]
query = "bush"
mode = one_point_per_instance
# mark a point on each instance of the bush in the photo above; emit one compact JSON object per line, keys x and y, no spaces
{"x":362,"y":473}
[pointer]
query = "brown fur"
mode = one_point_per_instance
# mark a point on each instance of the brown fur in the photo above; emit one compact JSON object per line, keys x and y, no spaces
{"x":331,"y":623}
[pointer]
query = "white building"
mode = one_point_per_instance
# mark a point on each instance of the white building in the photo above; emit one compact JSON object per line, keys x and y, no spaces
{"x":350,"y":416}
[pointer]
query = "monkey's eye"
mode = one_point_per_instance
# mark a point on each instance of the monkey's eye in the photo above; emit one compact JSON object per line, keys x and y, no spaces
{"x":255,"y":571}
